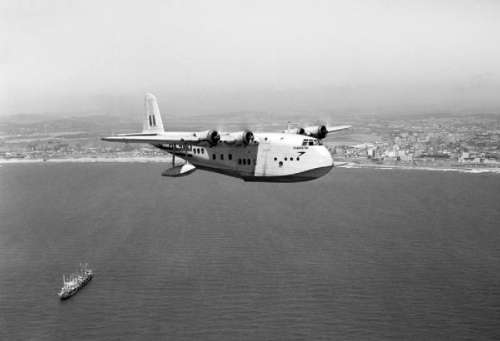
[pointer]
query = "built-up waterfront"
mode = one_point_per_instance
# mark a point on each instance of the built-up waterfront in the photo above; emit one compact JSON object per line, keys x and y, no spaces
{"x":410,"y":141}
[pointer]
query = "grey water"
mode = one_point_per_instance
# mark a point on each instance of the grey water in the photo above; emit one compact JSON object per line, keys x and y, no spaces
{"x":357,"y":254}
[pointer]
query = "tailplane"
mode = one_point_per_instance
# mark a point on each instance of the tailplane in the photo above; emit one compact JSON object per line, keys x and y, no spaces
{"x":152,"y":120}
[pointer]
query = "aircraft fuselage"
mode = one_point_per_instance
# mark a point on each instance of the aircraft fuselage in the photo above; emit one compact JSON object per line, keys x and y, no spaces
{"x":277,"y":157}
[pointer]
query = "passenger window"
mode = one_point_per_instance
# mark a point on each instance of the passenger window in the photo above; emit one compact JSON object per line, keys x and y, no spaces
{"x":203,"y":151}
{"x":230,"y":156}
{"x":244,"y":161}
{"x":298,"y":159}
{"x":280,"y":163}
{"x":249,"y":162}
{"x":291,"y":159}
{"x":275,"y":159}
{"x":213,"y":156}
{"x":311,"y":143}
{"x":239,"y":161}
{"x":222,"y":156}
{"x":285,"y":159}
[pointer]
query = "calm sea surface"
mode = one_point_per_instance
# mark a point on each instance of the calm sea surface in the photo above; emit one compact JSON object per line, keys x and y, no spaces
{"x":358,"y":254}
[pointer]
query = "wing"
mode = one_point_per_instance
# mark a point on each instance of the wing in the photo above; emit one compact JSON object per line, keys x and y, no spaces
{"x":338,"y":128}
{"x":207,"y":137}
{"x":166,"y":137}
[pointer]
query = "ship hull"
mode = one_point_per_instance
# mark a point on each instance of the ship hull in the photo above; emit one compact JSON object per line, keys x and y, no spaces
{"x":68,"y":294}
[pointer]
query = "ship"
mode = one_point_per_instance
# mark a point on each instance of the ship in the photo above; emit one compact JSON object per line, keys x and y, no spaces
{"x":75,"y":281}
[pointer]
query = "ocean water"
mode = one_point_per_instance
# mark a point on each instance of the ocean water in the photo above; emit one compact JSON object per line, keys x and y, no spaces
{"x":358,"y":254}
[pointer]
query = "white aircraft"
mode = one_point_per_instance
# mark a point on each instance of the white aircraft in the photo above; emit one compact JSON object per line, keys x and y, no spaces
{"x":290,"y":156}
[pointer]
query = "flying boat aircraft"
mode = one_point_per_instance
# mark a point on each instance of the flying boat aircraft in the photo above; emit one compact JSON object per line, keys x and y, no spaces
{"x":293,"y":155}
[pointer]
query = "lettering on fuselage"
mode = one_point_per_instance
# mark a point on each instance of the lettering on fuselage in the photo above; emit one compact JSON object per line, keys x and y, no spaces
{"x":178,"y":147}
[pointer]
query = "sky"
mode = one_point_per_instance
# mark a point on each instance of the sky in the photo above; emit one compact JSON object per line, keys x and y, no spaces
{"x":268,"y":56}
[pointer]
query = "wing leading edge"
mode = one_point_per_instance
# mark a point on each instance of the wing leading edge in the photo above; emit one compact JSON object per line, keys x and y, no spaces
{"x":165,"y":137}
{"x":338,"y":128}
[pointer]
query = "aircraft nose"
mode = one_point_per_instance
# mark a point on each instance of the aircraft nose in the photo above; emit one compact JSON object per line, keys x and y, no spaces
{"x":325,"y":157}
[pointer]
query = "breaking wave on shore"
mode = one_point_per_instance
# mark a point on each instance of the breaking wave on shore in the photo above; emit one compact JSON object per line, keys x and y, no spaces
{"x":91,"y":159}
{"x":350,"y":165}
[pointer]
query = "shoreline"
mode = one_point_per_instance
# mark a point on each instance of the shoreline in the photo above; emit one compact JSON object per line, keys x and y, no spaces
{"x":90,"y":160}
{"x":469,"y":170}
{"x":338,"y":164}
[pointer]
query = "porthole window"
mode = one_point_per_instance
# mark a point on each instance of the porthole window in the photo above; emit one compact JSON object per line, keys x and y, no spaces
{"x":286,"y":159}
{"x":298,"y":159}
{"x":291,"y":159}
{"x":275,"y":159}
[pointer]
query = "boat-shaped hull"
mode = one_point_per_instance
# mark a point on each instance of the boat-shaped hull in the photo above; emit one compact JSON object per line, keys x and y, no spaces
{"x":71,"y":291}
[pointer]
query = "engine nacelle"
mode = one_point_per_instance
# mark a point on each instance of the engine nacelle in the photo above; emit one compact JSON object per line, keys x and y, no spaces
{"x":244,"y":137}
{"x":318,"y":132}
{"x":299,"y":131}
{"x":211,"y":136}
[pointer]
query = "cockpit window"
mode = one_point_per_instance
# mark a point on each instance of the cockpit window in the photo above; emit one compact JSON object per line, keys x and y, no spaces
{"x":310,"y":142}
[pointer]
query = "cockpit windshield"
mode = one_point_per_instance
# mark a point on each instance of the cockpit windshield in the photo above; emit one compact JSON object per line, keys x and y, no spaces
{"x":311,"y":142}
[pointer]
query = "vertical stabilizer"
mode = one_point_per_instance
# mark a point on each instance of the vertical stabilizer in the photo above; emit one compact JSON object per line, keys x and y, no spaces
{"x":152,"y":121}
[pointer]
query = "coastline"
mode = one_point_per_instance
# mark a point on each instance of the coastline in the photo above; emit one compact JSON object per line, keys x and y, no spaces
{"x":338,"y":164}
{"x":469,"y":170}
{"x":90,"y":160}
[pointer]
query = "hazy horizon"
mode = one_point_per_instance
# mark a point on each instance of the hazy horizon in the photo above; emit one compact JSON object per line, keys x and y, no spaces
{"x":265,"y":56}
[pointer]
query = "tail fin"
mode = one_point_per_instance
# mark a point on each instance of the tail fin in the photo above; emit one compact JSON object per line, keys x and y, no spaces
{"x":152,"y":120}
